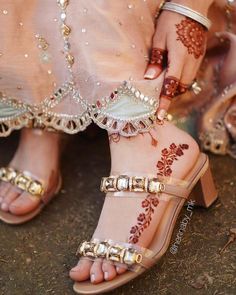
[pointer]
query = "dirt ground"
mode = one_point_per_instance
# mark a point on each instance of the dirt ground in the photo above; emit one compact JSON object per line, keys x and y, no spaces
{"x":35,"y":258}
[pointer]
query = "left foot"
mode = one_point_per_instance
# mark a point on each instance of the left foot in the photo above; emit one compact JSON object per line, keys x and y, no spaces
{"x":38,"y":153}
{"x":138,"y":155}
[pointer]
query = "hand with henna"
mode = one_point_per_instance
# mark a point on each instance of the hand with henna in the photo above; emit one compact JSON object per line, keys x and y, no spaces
{"x":179,"y":45}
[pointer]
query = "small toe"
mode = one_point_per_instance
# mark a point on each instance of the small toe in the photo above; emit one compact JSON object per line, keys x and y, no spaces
{"x":4,"y":187}
{"x":24,"y":204}
{"x":81,"y":272}
{"x":10,"y":196}
{"x":96,"y":273}
{"x":121,"y":269}
{"x":109,"y":270}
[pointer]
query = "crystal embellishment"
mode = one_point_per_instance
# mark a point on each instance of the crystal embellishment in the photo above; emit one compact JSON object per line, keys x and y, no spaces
{"x":115,"y":253}
{"x":123,"y":183}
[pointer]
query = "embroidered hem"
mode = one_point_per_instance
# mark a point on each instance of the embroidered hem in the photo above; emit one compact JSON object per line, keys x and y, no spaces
{"x":126,"y":111}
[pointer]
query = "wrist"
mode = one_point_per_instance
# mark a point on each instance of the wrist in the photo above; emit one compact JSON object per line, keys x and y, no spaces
{"x":201,"y":6}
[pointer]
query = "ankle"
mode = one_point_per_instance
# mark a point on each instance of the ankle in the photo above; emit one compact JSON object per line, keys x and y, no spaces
{"x":141,"y":153}
{"x":36,"y":134}
{"x":36,"y":150}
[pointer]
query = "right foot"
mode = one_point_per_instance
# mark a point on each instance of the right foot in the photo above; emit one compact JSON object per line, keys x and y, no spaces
{"x":37,"y":153}
{"x":121,"y":216}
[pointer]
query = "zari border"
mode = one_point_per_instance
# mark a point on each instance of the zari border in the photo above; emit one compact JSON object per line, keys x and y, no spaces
{"x":42,"y":116}
{"x":15,"y":123}
{"x":128,"y":126}
{"x":62,"y":122}
{"x":125,"y":128}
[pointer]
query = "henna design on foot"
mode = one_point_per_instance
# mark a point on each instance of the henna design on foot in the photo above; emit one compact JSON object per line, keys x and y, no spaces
{"x":144,"y":219}
{"x":151,"y":201}
{"x":193,"y":36}
{"x":170,"y":87}
{"x":168,"y":157}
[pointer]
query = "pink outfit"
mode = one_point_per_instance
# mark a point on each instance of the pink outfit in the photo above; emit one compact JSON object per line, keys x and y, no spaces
{"x":107,"y":43}
{"x":110,"y":43}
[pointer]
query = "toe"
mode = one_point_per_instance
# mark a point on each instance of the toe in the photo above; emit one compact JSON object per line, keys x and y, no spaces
{"x":10,"y":196}
{"x":96,"y":273}
{"x":109,"y":270}
{"x":81,"y":272}
{"x":121,"y":269}
{"x":24,"y":204}
{"x":4,"y":187}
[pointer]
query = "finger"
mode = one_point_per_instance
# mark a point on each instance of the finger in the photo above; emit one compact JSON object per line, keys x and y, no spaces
{"x":157,"y":63}
{"x":188,"y":76}
{"x":170,"y":84}
{"x":158,"y":59}
{"x":169,"y":88}
{"x":223,"y":36}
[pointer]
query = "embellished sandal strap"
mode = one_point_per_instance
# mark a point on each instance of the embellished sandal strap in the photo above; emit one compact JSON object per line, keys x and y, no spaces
{"x":141,"y":184}
{"x":115,"y":253}
{"x":22,"y":180}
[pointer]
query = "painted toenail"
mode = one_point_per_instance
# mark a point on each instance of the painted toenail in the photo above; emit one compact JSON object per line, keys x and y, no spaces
{"x":106,"y":275}
{"x":4,"y":206}
{"x":93,"y":278}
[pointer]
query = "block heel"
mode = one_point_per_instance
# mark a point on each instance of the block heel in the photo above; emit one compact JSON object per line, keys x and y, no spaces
{"x":204,"y":193}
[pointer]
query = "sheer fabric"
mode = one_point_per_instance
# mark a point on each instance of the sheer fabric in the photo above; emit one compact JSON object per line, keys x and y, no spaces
{"x":110,"y":42}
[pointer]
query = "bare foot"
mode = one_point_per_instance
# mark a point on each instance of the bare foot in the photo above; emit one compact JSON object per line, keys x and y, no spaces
{"x":37,"y":153}
{"x":141,"y":155}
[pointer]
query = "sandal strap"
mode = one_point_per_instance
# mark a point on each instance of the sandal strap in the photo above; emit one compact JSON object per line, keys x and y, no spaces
{"x":113,"y":252}
{"x":141,"y":184}
{"x":22,"y":180}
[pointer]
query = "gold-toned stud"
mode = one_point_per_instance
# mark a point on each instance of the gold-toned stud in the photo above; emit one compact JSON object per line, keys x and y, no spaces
{"x":70,"y":59}
{"x":155,"y":186}
{"x":131,"y":257}
{"x":35,"y":188}
{"x":138,"y":184}
{"x":62,"y":3}
{"x":65,"y":30}
{"x":42,"y":43}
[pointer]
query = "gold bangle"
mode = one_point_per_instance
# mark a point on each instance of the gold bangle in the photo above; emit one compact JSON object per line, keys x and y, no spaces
{"x":159,"y":9}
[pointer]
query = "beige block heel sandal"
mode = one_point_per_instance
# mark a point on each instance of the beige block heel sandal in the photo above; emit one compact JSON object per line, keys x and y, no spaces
{"x":199,"y":182}
{"x":25,"y":181}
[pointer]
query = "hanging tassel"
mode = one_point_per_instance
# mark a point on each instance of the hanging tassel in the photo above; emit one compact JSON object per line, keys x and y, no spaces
{"x":154,"y":141}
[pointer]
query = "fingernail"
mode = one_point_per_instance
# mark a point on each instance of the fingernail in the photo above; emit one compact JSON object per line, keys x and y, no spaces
{"x":217,"y":34}
{"x":1,"y":199}
{"x":92,"y":278}
{"x":117,"y":269}
{"x":150,"y":73}
{"x":161,"y":115}
{"x":4,"y":207}
{"x":106,"y":275}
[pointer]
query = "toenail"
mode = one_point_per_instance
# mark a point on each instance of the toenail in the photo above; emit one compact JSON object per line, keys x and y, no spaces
{"x":93,"y":278}
{"x":4,"y":206}
{"x":106,"y":275}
